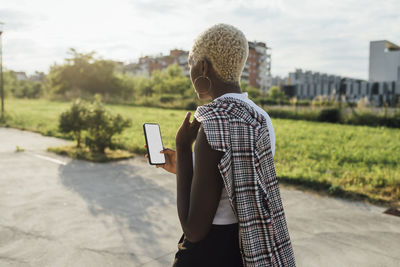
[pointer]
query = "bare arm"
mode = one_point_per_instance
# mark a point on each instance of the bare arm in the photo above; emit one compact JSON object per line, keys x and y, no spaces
{"x":198,"y":190}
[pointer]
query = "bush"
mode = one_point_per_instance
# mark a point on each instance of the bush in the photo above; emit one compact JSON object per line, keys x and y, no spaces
{"x":102,"y":126}
{"x":330,"y":115}
{"x":74,"y":120}
{"x":192,"y":105}
{"x":278,"y":95}
{"x":371,"y":119}
{"x":21,"y":88}
{"x":267,"y":101}
{"x":252,"y":92}
{"x":168,"y":98}
{"x":334,"y":115}
{"x":303,"y":103}
{"x":322,"y":101}
{"x":308,"y":115}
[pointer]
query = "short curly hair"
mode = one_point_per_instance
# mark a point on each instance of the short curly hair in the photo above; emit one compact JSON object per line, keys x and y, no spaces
{"x":225,"y":47}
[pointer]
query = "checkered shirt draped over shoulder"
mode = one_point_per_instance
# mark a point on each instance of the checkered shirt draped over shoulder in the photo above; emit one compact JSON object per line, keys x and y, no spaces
{"x":247,"y":168}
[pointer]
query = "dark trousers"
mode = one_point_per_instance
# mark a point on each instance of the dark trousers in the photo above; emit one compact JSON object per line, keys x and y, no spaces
{"x":219,"y":248}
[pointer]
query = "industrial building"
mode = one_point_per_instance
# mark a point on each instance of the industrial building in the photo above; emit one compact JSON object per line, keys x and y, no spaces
{"x":384,"y":61}
{"x":382,"y":87}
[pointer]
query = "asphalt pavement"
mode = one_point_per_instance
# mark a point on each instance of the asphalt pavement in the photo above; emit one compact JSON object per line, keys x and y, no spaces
{"x":55,"y":211}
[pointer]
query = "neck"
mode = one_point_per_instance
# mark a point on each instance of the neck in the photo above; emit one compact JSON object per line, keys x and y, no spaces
{"x":222,"y":89}
{"x":219,"y":87}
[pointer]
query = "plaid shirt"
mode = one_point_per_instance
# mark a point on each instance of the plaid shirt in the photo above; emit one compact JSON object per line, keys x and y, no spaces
{"x":247,"y":168}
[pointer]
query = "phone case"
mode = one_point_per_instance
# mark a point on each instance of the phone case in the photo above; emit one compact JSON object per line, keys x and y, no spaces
{"x":147,"y":143}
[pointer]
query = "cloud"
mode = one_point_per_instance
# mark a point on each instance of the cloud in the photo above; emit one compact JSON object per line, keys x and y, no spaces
{"x":15,"y":20}
{"x":257,"y":14}
{"x":156,"y":7}
{"x":327,"y":36}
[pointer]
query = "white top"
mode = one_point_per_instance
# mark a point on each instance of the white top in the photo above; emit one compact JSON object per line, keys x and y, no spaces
{"x":244,"y":97}
{"x":224,"y":214}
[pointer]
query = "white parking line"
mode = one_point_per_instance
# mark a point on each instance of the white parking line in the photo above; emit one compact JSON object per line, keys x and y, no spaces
{"x":50,"y":159}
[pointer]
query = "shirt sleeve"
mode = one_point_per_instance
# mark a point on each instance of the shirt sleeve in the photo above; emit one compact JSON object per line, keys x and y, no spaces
{"x":271,"y":134}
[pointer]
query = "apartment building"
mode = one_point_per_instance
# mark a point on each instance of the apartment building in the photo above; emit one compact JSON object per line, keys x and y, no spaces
{"x":257,"y":71}
{"x":147,"y":64}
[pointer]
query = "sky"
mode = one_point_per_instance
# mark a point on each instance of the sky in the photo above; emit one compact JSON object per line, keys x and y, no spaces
{"x":325,"y":36}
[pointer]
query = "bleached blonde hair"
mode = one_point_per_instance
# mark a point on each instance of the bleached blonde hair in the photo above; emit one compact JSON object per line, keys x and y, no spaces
{"x":225,"y":47}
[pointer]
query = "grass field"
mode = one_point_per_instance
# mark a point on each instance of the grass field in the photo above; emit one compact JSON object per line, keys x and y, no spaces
{"x":344,"y":160}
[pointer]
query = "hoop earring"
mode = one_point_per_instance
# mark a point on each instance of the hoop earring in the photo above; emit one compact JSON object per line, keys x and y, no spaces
{"x":205,"y":77}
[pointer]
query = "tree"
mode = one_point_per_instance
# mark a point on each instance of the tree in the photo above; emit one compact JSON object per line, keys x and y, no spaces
{"x":10,"y":82}
{"x":157,"y":81}
{"x":128,"y":87}
{"x":171,"y":81}
{"x":174,"y":70}
{"x":276,"y":94}
{"x":85,"y":75}
{"x":22,"y":88}
{"x":143,"y":86}
{"x":252,"y":91}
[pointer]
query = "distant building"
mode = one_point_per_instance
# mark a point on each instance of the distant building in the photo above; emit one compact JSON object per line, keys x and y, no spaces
{"x":147,"y":64}
{"x":21,"y":75}
{"x":308,"y":85}
{"x":257,"y":71}
{"x":384,"y":61}
{"x":37,"y":77}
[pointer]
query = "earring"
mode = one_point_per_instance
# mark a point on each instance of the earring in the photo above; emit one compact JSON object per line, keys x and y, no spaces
{"x":204,"y":77}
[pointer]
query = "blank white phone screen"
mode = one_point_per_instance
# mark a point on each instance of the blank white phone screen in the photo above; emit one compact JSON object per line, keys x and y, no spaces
{"x":154,"y":143}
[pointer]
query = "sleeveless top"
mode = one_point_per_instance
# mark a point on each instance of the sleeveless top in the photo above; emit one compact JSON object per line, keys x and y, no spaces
{"x":224,"y":214}
{"x":248,"y":172}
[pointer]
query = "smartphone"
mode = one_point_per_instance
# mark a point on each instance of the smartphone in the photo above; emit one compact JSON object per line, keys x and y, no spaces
{"x":154,"y":143}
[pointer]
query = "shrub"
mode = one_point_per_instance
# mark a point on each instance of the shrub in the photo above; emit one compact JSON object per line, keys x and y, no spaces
{"x":267,"y":101}
{"x":102,"y":126}
{"x":278,"y":95}
{"x":330,"y":115}
{"x":322,"y":101}
{"x":309,"y":115}
{"x":363,"y":102}
{"x":168,"y":98}
{"x":370,"y":119}
{"x":192,"y":105}
{"x":74,"y":120}
{"x":252,"y":92}
{"x":303,"y":102}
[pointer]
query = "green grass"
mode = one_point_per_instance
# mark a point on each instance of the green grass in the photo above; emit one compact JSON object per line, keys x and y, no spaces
{"x":343,"y":160}
{"x":133,"y":138}
{"x":34,"y":115}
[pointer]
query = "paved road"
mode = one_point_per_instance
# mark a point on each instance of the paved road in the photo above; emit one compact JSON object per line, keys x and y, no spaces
{"x":55,"y":211}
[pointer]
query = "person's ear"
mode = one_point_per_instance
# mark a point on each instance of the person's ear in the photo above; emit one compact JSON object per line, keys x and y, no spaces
{"x":204,"y":67}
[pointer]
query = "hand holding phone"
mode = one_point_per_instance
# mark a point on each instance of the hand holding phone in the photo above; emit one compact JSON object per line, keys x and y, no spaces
{"x":154,"y":143}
